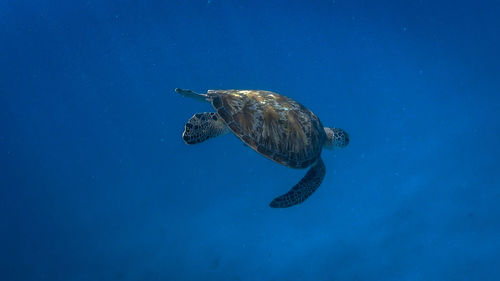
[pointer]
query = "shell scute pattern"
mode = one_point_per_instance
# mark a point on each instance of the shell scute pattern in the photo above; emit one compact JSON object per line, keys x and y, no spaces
{"x":273,"y":125}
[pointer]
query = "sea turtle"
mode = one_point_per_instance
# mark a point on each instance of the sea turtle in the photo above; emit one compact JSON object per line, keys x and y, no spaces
{"x":275,"y":126}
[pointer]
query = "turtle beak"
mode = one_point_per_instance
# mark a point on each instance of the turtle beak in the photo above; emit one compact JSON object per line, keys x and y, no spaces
{"x":344,"y":140}
{"x":341,"y":138}
{"x":335,"y":138}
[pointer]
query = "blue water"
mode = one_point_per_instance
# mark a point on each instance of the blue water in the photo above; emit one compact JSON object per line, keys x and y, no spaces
{"x":97,"y":184}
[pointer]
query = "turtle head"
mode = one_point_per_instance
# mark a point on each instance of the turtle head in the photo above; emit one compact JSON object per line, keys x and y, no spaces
{"x":335,"y":138}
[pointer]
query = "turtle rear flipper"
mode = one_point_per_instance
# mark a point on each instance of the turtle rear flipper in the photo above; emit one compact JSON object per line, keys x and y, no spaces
{"x":203,"y":126}
{"x":302,"y":190}
{"x":191,"y":94}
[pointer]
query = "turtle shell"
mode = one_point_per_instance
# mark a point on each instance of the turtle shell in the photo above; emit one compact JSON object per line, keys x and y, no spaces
{"x":276,"y":126}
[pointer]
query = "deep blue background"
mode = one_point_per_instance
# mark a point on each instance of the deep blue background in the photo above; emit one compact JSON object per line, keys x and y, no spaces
{"x":96,"y":183}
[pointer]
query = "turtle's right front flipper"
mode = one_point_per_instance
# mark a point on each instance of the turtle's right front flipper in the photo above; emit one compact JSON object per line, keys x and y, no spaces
{"x":203,"y":126}
{"x":302,"y":190}
{"x":190,"y":94}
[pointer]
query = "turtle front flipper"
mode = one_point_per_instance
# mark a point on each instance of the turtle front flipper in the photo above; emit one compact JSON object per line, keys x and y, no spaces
{"x":302,"y":190}
{"x":203,"y":126}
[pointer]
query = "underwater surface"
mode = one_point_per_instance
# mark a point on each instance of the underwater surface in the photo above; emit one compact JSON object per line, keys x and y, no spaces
{"x":97,"y":183}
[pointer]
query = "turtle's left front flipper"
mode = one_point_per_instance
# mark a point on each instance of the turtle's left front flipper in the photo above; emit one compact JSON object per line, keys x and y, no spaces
{"x":302,"y":190}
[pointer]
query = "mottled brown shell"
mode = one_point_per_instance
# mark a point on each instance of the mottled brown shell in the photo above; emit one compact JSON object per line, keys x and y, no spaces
{"x":274,"y":125}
